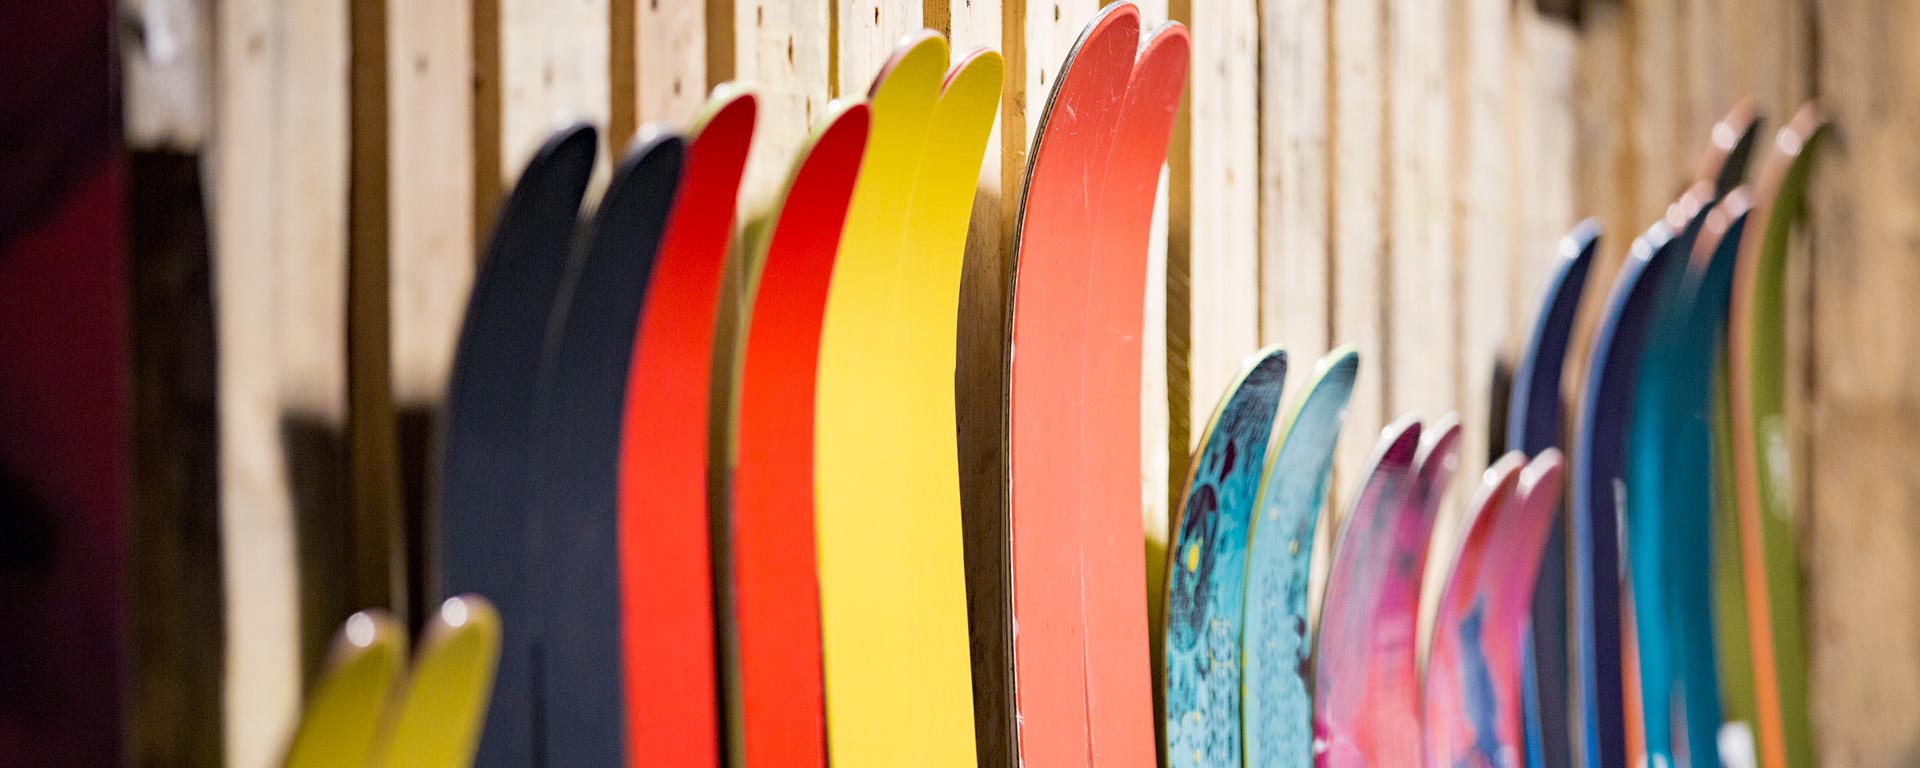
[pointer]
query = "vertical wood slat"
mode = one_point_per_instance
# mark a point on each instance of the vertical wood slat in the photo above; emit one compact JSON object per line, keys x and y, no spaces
{"x":1857,"y":489}
{"x":670,"y":73}
{"x":1480,"y":134}
{"x":980,"y":382}
{"x":1359,"y":206}
{"x":554,"y":66}
{"x":430,"y":238}
{"x":279,"y":196}
{"x":174,"y":588}
{"x":1213,"y":226}
{"x":782,"y":50}
{"x":867,"y":31}
{"x":1420,"y":355}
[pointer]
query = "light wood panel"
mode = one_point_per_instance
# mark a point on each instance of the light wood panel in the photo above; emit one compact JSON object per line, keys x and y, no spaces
{"x":1420,"y":358}
{"x":1213,"y":299}
{"x":1856,"y":447}
{"x":1361,"y":279}
{"x":279,"y":188}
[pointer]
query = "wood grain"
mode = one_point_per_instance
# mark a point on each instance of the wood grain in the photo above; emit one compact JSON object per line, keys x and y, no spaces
{"x":1854,"y":447}
{"x":279,"y":190}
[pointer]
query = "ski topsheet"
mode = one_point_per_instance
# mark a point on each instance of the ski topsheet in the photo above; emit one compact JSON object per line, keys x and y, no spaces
{"x":1534,"y":425}
{"x":1046,"y":382}
{"x":341,"y":723}
{"x":574,"y":492}
{"x":435,"y":723}
{"x":1599,"y":442}
{"x":778,"y":717}
{"x":1365,"y":708}
{"x":1756,"y":352}
{"x":666,"y":577}
{"x":892,"y":577}
{"x":1277,"y":718}
{"x":485,"y":448}
{"x":1206,"y":578}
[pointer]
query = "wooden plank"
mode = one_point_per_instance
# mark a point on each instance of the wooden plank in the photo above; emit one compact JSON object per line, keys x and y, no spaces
{"x":1296,"y":278}
{"x":980,"y":390}
{"x":173,"y":519}
{"x":1418,"y":289}
{"x":1213,"y":253}
{"x":279,"y":227}
{"x":1481,"y":135}
{"x":1542,"y":170}
{"x":430,"y":244}
{"x":1607,"y":165}
{"x":1361,"y":280}
{"x":867,"y":32}
{"x":670,"y":54}
{"x":1855,"y":445}
{"x":782,"y":49}
{"x":553,"y":67}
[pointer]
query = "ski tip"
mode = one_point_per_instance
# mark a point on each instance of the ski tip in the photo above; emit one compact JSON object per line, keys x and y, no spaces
{"x":919,"y":60}
{"x":1580,"y":243}
{"x":728,"y":103}
{"x":1543,"y":475}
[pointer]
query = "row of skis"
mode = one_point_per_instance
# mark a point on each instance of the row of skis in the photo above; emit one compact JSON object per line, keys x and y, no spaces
{"x":707,"y":477}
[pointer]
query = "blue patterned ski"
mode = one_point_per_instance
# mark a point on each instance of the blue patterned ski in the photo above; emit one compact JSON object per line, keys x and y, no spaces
{"x":1206,"y":581}
{"x":1277,"y":716}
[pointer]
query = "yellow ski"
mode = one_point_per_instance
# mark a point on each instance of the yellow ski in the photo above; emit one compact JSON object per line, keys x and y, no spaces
{"x":892,"y":584}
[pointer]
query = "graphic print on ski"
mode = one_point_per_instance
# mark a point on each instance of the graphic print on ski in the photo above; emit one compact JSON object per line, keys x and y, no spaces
{"x":1366,"y":702}
{"x":777,"y":715}
{"x":574,"y":483}
{"x":486,"y":442}
{"x":1276,"y":717}
{"x":1670,"y":498}
{"x":1472,"y":691}
{"x":1206,"y":575}
{"x":1756,"y":340}
{"x":665,"y":574}
{"x":1077,"y":306}
{"x":1534,"y":425}
{"x":891,"y":566}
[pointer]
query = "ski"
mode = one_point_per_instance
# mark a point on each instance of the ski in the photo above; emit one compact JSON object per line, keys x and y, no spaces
{"x":1277,"y":718}
{"x":1670,"y":446}
{"x":1472,"y":692}
{"x":1670,"y":597}
{"x":435,"y":723}
{"x":341,"y":722}
{"x":1534,"y":425}
{"x":892,"y":578}
{"x":1206,"y":581}
{"x":777,"y":716}
{"x":1118,"y":661}
{"x":1366,"y":711}
{"x":1600,"y":443}
{"x":574,"y":491}
{"x":1047,"y":390}
{"x":1756,"y":341}
{"x":662,"y":522}
{"x":486,"y":440}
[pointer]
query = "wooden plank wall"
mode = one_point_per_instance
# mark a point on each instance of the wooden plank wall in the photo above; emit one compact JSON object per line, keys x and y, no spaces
{"x":1390,"y":173}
